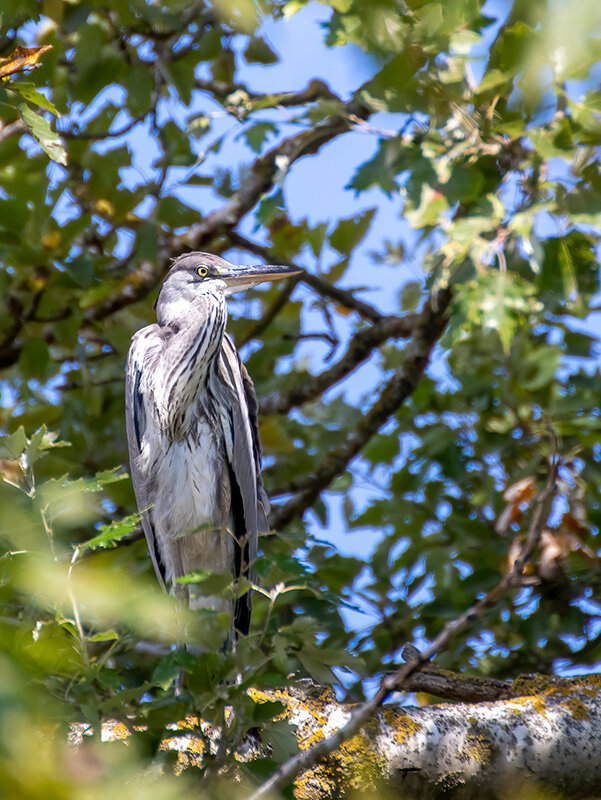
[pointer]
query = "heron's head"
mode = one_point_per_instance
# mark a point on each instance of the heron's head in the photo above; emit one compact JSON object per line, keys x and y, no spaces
{"x":194,"y":273}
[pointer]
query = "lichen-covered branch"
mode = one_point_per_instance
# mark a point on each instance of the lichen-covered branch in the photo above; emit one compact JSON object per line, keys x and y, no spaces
{"x":362,"y":713}
{"x":550,"y":736}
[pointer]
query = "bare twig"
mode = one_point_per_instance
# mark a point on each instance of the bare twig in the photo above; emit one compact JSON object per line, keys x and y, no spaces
{"x":15,"y":128}
{"x":75,"y":133}
{"x":266,"y":168}
{"x":316,"y":90}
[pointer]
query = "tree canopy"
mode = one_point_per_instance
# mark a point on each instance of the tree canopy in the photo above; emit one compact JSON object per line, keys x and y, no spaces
{"x":449,"y":421}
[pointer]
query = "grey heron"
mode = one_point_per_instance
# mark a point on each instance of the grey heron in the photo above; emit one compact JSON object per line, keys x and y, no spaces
{"x":192,"y":431}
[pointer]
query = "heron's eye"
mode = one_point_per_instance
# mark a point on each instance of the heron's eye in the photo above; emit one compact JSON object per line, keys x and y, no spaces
{"x":202,"y":272}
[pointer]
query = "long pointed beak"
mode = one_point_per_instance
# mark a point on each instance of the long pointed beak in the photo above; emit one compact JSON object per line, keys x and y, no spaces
{"x":238,"y":278}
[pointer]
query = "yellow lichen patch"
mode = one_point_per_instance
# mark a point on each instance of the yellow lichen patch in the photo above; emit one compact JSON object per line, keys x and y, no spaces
{"x":361,"y":761}
{"x":190,"y":751}
{"x":113,"y":731}
{"x":189,"y":724}
{"x":306,"y":742}
{"x":355,"y":765}
{"x":257,"y":695}
{"x":529,"y":685}
{"x":538,"y":702}
{"x":402,"y":724}
{"x":576,"y":707}
{"x":185,"y":760}
{"x":327,"y":695}
{"x":479,"y":748}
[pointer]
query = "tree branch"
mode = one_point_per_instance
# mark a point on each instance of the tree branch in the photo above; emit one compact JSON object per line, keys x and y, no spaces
{"x":316,"y":90}
{"x":429,"y":326}
{"x":455,"y":685}
{"x":262,"y":175}
{"x":11,"y":129}
{"x":75,"y":133}
{"x":258,"y":326}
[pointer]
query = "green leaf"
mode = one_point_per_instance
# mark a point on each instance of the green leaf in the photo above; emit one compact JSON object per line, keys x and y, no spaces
{"x":81,"y":269}
{"x":13,"y":445}
{"x":206,"y":582}
{"x":349,"y":232}
{"x":381,"y":169}
{"x":170,"y":667}
{"x":34,"y":360}
{"x":42,"y":441}
{"x":112,"y":533}
{"x":431,"y":207}
{"x":256,"y":135}
{"x":29,"y":92}
{"x":48,"y":139}
{"x":105,"y":636}
{"x":259,"y":52}
{"x":280,"y":736}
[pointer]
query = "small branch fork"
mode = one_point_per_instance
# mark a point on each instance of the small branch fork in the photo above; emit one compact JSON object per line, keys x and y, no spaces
{"x":399,"y":681}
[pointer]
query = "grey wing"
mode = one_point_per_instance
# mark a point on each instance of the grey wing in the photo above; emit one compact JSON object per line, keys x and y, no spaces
{"x":242,"y":439}
{"x":238,"y":409}
{"x":253,"y":413}
{"x":136,"y":422}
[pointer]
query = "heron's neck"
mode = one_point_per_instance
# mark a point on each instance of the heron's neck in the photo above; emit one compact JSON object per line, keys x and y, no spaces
{"x":194,"y":334}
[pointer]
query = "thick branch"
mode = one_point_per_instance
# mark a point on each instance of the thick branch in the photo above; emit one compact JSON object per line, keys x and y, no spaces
{"x":428,"y":327}
{"x":550,"y":736}
{"x":457,"y":685}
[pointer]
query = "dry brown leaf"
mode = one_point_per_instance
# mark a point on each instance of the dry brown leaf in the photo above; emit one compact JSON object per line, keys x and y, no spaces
{"x":520,"y":492}
{"x":511,"y":515}
{"x":11,"y":471}
{"x":574,"y":521}
{"x":554,"y":549}
{"x":514,"y":552}
{"x":22,"y":58}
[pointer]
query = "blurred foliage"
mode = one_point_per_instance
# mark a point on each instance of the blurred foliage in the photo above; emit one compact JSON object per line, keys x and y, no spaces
{"x":491,"y":156}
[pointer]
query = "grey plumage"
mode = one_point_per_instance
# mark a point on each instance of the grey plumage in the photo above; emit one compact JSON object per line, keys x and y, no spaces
{"x":192,"y":432}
